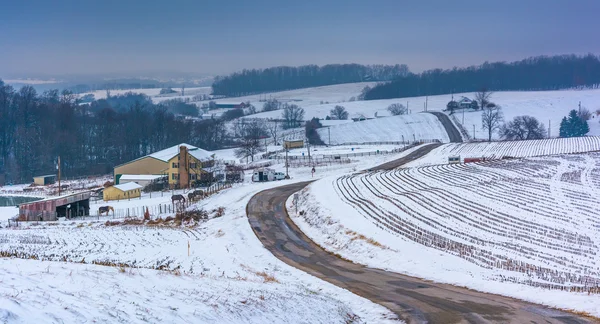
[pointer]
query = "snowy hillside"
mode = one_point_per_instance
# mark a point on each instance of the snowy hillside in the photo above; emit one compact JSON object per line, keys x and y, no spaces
{"x":154,"y":93}
{"x":523,"y":228}
{"x":391,"y":129}
{"x":515,"y":149}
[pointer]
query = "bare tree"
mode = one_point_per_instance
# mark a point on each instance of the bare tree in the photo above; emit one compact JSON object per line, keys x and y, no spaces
{"x":251,"y":142}
{"x":292,"y":115}
{"x":397,"y":109}
{"x":271,"y":104}
{"x":584,"y":114}
{"x":251,"y":110}
{"x":491,"y":118}
{"x":523,"y":128}
{"x":273,"y":128}
{"x":483,"y":97}
{"x":338,"y":112}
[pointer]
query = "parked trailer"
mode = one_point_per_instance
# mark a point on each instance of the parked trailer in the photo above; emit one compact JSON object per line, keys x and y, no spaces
{"x":263,"y":174}
{"x":473,"y":160}
{"x":454,"y":159}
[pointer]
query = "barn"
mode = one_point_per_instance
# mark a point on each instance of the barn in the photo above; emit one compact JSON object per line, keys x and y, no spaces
{"x":51,"y":208}
{"x":122,"y":191}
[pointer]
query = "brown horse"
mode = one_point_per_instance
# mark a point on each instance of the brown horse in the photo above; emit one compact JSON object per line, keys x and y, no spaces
{"x":178,"y":198}
{"x":105,"y":209}
{"x":196,"y":195}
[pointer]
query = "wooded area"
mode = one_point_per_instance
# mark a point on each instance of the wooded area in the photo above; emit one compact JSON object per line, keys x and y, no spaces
{"x":90,"y":139}
{"x":536,"y":73}
{"x":281,"y":78}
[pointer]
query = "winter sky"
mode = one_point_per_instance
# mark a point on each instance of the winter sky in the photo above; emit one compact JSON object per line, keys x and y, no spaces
{"x":92,"y":36}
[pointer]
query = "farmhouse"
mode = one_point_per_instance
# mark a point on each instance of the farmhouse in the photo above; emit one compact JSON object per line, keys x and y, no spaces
{"x":122,"y":191}
{"x":44,"y":180}
{"x":182,"y":164}
{"x":52,"y":208}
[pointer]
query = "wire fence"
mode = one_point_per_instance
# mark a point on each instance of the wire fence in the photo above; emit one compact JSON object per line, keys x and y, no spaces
{"x":155,"y":211}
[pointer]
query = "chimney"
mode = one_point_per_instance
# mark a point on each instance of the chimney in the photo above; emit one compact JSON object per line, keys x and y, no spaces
{"x":184,"y":174}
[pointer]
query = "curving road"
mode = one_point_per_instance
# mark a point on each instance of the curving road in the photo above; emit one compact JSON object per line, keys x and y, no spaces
{"x":413,"y":300}
{"x":453,"y":132}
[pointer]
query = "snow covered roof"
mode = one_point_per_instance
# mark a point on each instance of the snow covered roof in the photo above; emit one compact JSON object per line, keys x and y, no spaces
{"x":140,"y":176}
{"x":168,"y":153}
{"x":128,"y":186}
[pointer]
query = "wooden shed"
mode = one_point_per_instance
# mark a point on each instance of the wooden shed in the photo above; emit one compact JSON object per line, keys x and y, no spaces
{"x":44,"y":180}
{"x":123,"y":191}
{"x":293,"y":144}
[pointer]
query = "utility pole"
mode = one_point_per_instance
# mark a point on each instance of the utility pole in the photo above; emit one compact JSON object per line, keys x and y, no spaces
{"x":473,"y":131}
{"x":329,"y":133}
{"x":549,"y":127}
{"x":287,"y":175}
{"x":426,"y":102}
{"x":58,"y":166}
{"x":308,"y":146}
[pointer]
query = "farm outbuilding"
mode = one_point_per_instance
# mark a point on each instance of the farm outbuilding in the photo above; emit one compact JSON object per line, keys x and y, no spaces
{"x":123,"y":191}
{"x":52,"y":208}
{"x":293,"y":144}
{"x":44,"y":180}
{"x":141,"y":179}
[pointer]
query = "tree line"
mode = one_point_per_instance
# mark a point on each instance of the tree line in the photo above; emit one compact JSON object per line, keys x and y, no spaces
{"x":281,"y":78}
{"x":90,"y":138}
{"x":535,"y":73}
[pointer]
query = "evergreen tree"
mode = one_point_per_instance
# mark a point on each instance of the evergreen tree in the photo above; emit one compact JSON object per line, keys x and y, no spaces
{"x":564,"y":128}
{"x":573,"y":125}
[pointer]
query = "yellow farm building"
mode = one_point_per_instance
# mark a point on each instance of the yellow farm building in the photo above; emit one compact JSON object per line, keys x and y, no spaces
{"x":123,"y":191}
{"x":181,"y":164}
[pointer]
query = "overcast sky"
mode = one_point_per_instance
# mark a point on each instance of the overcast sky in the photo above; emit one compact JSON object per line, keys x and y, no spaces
{"x":90,"y":36}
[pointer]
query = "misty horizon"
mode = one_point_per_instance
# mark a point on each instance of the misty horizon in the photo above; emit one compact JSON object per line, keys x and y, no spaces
{"x":68,"y":38}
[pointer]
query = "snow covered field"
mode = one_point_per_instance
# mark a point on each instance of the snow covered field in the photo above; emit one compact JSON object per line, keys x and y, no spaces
{"x":52,"y":292}
{"x":227,"y":277}
{"x":515,"y":149}
{"x":509,"y":227}
{"x":408,"y":127}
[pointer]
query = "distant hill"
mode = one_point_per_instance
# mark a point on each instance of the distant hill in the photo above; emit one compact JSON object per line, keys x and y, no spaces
{"x":281,"y":78}
{"x":535,"y":73}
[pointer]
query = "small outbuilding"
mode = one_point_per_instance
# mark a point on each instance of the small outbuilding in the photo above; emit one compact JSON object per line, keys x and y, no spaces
{"x":44,"y":180}
{"x":141,"y":179}
{"x":123,"y":191}
{"x":293,"y":144}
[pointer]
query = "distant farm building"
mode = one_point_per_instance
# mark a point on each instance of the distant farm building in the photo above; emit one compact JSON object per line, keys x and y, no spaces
{"x":44,"y":180}
{"x":183,"y":164}
{"x":52,"y":208}
{"x":122,"y":191}
{"x":293,"y":144}
{"x":231,"y":105}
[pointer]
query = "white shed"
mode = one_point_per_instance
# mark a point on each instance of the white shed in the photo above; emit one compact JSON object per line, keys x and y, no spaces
{"x":141,"y":179}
